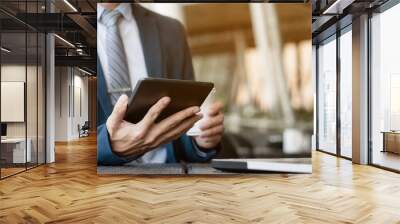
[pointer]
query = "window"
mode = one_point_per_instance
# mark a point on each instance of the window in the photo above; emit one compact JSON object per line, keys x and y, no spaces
{"x":327,"y":95}
{"x":385,"y":89}
{"x":346,"y":92}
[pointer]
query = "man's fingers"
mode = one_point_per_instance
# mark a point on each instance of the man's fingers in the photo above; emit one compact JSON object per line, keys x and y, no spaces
{"x":218,"y":130}
{"x":212,"y":121}
{"x":175,"y":119}
{"x":179,"y":129}
{"x":118,"y":113}
{"x":212,"y":139}
{"x":120,"y":107}
{"x":215,"y":108}
{"x":154,"y":112}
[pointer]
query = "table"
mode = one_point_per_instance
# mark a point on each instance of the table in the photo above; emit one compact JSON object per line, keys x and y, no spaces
{"x":13,"y":150}
{"x":391,"y":141}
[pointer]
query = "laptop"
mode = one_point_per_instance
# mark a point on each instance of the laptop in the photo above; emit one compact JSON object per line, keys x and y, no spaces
{"x":245,"y":152}
{"x":283,"y":165}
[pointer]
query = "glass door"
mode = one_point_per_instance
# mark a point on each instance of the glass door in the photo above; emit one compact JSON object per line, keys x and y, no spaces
{"x":14,"y":155}
{"x":22,"y":76}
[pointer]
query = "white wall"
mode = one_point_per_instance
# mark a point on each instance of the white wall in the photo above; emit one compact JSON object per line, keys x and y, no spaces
{"x":69,"y":85}
{"x":61,"y":103}
{"x":80,"y":93}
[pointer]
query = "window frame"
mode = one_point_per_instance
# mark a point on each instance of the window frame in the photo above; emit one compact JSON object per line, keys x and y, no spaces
{"x":346,"y":27}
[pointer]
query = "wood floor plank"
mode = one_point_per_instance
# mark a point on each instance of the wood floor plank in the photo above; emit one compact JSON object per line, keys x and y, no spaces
{"x":70,"y":191}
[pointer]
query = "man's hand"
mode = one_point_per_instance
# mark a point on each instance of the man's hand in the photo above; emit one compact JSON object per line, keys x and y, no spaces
{"x":129,"y":139}
{"x":212,"y":128}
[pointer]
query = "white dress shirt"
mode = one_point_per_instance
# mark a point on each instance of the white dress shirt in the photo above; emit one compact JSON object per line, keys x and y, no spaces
{"x":135,"y":59}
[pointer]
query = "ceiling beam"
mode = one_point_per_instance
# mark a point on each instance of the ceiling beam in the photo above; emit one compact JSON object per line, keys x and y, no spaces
{"x":85,"y":25}
{"x":78,"y":61}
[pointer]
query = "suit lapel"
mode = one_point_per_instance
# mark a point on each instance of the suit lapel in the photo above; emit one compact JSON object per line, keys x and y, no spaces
{"x":150,"y":38}
{"x":102,"y":96}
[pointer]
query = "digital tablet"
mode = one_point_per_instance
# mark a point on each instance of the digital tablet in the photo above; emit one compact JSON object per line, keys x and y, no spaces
{"x":183,"y":94}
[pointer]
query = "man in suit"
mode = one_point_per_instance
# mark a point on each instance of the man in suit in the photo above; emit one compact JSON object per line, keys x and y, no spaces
{"x":135,"y":43}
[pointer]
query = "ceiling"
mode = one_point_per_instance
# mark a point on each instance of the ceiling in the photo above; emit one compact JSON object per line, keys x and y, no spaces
{"x":75,"y":23}
{"x":332,"y":15}
{"x":19,"y":54}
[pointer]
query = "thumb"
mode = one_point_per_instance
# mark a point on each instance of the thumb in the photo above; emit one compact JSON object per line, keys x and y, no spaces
{"x":119,"y":109}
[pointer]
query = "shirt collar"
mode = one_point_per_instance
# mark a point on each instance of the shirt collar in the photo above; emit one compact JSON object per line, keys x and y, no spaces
{"x":100,"y":10}
{"x":124,"y":8}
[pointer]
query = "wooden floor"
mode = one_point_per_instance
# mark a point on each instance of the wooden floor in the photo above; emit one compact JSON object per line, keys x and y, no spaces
{"x":70,"y":191}
{"x":5,"y":172}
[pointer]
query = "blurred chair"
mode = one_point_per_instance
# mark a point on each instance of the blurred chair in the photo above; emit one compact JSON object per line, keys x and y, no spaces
{"x":84,"y":130}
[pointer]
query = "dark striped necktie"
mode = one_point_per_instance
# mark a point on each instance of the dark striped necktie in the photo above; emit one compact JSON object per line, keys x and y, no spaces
{"x":118,"y":79}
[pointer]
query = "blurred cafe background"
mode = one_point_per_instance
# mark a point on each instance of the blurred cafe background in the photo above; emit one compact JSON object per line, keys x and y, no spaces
{"x":259,"y":58}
